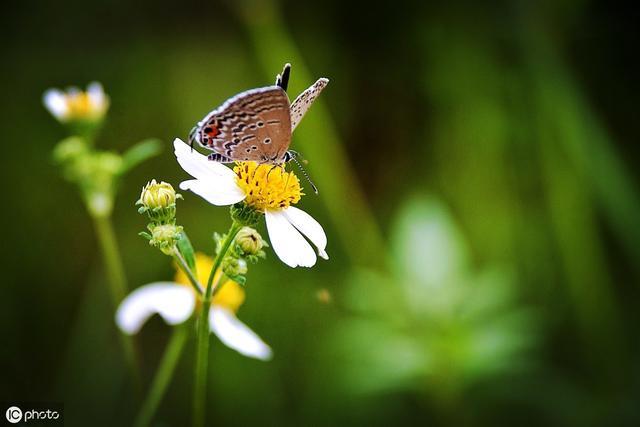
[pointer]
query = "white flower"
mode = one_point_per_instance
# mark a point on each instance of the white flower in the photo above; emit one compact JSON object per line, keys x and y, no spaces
{"x":76,"y":104}
{"x":175,"y":303}
{"x":269,"y":190}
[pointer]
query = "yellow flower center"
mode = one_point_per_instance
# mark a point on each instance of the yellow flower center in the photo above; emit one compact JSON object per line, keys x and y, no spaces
{"x":230,"y":296}
{"x":267,"y":186}
{"x":81,"y":106}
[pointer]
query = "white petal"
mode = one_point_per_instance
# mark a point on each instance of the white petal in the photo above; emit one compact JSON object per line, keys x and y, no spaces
{"x":214,"y":182}
{"x":219,"y":195}
{"x":236,"y":335}
{"x":55,"y":101}
{"x":309,"y":227}
{"x":96,"y":95}
{"x":174,"y":302}
{"x":287,"y":242}
{"x":198,"y":166}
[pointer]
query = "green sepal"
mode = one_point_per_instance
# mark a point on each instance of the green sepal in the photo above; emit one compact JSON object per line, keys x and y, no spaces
{"x":145,"y":235}
{"x":256,"y":257}
{"x":237,"y":249}
{"x":245,"y":215}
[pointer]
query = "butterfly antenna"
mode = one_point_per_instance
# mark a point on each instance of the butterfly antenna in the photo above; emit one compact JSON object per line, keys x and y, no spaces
{"x":304,"y":172}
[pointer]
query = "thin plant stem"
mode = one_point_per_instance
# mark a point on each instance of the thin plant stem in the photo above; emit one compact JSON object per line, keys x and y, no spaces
{"x":117,"y":286}
{"x":163,"y":375}
{"x":202,"y":352}
{"x":179,"y":259}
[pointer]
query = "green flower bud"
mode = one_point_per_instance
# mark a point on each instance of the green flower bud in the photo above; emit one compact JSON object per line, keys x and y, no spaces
{"x":165,"y":237}
{"x":156,"y":195}
{"x":158,"y":201}
{"x":249,"y":241}
{"x":234,"y":267}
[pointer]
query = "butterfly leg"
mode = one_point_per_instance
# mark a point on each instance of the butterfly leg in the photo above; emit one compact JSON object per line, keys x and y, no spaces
{"x":216,"y":157}
{"x":192,"y":136}
{"x":273,"y":167}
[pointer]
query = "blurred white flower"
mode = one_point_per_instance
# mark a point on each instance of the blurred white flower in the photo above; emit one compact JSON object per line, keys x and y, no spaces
{"x":176,"y":301}
{"x":75,"y":104}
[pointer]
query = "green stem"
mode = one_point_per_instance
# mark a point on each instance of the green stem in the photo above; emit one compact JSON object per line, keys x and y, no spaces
{"x":163,"y":375}
{"x":202,"y":352}
{"x":117,"y":285}
{"x":177,"y":256}
{"x":115,"y":270}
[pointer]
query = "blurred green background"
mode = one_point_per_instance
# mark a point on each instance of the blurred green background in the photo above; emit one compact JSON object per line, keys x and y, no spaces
{"x":477,"y":166}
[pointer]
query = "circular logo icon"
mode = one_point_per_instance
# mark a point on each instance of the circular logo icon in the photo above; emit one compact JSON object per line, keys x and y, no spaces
{"x":14,"y":414}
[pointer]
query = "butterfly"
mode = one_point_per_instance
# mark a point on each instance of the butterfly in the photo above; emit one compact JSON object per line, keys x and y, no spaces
{"x":256,"y":125}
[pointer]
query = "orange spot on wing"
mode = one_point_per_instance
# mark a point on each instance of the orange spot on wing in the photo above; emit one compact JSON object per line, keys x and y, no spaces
{"x":211,"y":131}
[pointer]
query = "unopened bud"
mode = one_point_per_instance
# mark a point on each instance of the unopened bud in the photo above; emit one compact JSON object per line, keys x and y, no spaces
{"x":233,"y":267}
{"x":158,"y":200}
{"x":249,"y":241}
{"x":165,"y":237}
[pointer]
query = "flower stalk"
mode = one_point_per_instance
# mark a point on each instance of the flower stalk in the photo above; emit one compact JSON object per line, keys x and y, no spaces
{"x":117,"y":286}
{"x":202,"y":351}
{"x":97,"y":173}
{"x":163,"y":375}
{"x":182,"y":263}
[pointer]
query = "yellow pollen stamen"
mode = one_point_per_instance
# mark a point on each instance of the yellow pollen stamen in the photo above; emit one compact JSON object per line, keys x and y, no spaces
{"x":266,"y":186}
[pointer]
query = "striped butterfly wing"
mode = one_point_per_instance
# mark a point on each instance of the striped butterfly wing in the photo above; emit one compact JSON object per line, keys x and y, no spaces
{"x":254,"y":125}
{"x":302,"y":103}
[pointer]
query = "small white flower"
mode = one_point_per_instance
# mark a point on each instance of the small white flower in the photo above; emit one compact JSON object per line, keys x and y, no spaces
{"x":268,"y":190}
{"x":175,"y":303}
{"x":75,"y":104}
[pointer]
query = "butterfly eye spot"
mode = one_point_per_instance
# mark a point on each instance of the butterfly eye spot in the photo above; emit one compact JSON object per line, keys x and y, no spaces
{"x":260,"y":124}
{"x":267,"y":141}
{"x":253,"y":147}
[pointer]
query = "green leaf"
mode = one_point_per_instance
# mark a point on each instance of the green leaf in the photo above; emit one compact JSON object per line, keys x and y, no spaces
{"x":140,"y":152}
{"x":185,"y":248}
